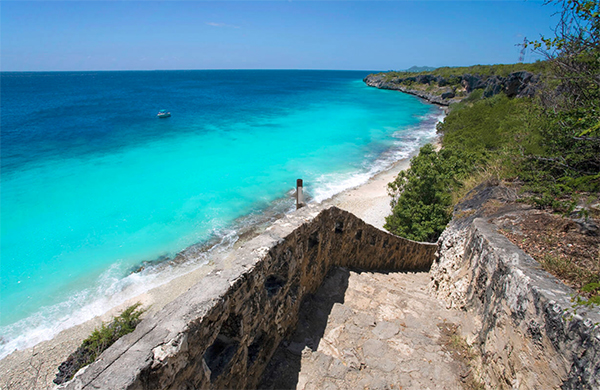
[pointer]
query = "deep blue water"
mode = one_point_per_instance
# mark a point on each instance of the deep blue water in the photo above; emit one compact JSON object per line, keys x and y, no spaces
{"x":93,"y":183}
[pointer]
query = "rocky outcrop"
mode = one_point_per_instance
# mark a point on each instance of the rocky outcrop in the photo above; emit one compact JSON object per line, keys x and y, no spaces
{"x":224,"y":330}
{"x":440,"y":90}
{"x":530,"y":338}
{"x":380,"y":81}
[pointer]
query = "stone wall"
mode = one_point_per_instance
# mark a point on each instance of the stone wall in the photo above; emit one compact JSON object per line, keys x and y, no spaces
{"x":529,"y":337}
{"x":223,"y":331}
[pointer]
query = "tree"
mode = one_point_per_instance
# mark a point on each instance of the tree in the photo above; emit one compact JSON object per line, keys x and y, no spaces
{"x":422,"y":195}
{"x":572,"y":101}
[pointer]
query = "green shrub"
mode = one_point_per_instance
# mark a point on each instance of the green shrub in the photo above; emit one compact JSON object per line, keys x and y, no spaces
{"x":100,"y":339}
{"x":422,"y":195}
{"x":484,"y":126}
{"x":105,"y":336}
{"x":477,"y":133}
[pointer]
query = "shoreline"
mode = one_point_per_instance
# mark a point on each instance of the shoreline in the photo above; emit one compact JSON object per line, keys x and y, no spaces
{"x":36,"y":367}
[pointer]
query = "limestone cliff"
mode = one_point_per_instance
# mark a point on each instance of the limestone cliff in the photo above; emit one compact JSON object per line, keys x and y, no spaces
{"x":446,"y":90}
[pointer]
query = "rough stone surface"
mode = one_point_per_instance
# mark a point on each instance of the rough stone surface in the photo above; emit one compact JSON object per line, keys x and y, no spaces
{"x":520,"y":84}
{"x":224,"y":330}
{"x":400,"y":347}
{"x":529,"y":338}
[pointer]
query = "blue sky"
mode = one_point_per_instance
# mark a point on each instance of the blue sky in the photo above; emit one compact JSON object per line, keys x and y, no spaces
{"x":365,"y":35}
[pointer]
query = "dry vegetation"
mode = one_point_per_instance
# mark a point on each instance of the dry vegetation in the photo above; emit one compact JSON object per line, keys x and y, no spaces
{"x":462,"y":353}
{"x":562,"y":246}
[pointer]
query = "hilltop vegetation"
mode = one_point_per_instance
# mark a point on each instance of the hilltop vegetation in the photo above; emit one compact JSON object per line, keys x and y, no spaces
{"x":451,"y":73}
{"x":547,"y":145}
{"x":416,"y":69}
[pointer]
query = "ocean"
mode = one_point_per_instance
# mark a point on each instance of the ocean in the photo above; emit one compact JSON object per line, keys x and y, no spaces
{"x":98,"y":195}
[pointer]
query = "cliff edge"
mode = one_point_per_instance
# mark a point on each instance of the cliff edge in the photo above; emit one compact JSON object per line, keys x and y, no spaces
{"x":531,"y":336}
{"x":447,"y":90}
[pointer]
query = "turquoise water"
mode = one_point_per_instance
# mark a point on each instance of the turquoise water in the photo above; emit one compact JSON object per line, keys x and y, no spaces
{"x":93,"y":184}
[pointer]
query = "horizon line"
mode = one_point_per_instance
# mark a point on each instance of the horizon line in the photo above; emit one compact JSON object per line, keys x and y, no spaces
{"x":257,"y":69}
{"x":191,"y":69}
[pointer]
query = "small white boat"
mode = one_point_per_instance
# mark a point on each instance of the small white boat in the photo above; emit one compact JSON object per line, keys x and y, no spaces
{"x":163,"y":114}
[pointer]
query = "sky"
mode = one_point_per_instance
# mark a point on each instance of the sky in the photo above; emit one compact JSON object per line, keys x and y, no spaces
{"x":349,"y":35}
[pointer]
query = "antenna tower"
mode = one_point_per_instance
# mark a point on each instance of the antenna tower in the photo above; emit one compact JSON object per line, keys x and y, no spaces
{"x":523,"y":47}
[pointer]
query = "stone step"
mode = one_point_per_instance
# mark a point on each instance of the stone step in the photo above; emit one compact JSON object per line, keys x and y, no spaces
{"x":382,"y":331}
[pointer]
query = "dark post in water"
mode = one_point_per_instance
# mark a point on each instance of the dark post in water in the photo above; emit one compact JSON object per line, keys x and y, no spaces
{"x":299,"y":194}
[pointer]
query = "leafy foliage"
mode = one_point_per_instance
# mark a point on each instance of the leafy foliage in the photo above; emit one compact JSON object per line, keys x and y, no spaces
{"x":476,"y":132}
{"x":485,"y":126}
{"x":592,"y":290}
{"x":570,"y":161}
{"x":105,"y":336}
{"x":421,"y":195}
{"x":566,"y":164}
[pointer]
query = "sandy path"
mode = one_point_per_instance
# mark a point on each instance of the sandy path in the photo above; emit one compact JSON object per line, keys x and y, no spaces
{"x":36,"y":367}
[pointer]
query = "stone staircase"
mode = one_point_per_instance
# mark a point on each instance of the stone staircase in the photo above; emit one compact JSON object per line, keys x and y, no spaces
{"x":371,"y":331}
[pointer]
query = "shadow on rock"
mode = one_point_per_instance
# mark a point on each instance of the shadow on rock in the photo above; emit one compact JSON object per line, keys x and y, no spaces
{"x":284,"y":367}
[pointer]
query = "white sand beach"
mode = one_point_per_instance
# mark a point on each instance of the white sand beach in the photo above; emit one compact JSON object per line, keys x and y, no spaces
{"x":35,"y":368}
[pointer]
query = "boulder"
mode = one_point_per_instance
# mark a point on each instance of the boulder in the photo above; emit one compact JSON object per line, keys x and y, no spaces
{"x":424,"y":79}
{"x":493,"y":86}
{"x":448,"y":94}
{"x":472,"y":82}
{"x":516,"y":82}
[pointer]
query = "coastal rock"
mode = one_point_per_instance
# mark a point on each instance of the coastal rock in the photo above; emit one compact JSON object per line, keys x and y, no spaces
{"x":493,"y":86}
{"x":529,"y":337}
{"x":515,"y":83}
{"x":448,"y":94}
{"x":380,"y":81}
{"x":434,"y":88}
{"x":472,"y":82}
{"x":424,"y":79}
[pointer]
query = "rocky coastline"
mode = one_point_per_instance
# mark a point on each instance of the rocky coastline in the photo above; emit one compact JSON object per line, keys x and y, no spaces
{"x":444,"y":91}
